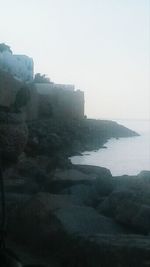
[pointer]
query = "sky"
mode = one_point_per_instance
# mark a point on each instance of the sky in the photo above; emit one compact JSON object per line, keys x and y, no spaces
{"x":100,"y":46}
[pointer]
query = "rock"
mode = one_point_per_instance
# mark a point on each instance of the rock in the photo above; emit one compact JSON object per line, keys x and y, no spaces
{"x":85,"y":221}
{"x":19,"y":184}
{"x":98,"y":171}
{"x":145,"y":174}
{"x":135,"y":216}
{"x":110,"y":204}
{"x":107,"y":251}
{"x":99,"y":185}
{"x":45,"y":218}
{"x":101,"y":179}
{"x":30,"y":168}
{"x":82,"y":193}
{"x":14,"y":200}
{"x":62,"y":179}
{"x":37,"y":215}
{"x":50,"y":202}
{"x":129,"y":208}
{"x":71,"y":175}
{"x":139,"y":183}
{"x":143,"y":180}
{"x":102,"y":186}
{"x":86,"y":194}
{"x":41,"y":204}
{"x":26,"y":175}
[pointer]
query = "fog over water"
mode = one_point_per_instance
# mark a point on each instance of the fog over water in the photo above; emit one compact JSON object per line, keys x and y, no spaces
{"x":125,"y":155}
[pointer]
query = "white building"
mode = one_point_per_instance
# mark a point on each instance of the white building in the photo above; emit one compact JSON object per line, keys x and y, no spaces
{"x":20,"y":66}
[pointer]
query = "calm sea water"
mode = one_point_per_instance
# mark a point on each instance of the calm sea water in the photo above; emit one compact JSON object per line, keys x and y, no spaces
{"x":125,"y":155}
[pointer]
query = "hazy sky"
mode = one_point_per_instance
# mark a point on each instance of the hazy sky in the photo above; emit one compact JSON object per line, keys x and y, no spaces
{"x":101,"y":46}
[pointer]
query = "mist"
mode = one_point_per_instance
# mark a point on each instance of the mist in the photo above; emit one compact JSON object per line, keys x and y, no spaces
{"x":102,"y":47}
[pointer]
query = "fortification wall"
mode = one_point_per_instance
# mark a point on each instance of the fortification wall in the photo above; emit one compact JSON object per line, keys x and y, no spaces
{"x":8,"y":88}
{"x":61,"y":101}
{"x":49,"y":101}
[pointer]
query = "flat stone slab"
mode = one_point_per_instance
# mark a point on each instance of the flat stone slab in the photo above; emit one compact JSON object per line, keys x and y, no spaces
{"x":85,"y":220}
{"x":71,"y":175}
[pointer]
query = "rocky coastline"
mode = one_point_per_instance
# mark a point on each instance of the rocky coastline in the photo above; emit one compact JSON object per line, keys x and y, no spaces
{"x":61,"y":214}
{"x":52,"y":137}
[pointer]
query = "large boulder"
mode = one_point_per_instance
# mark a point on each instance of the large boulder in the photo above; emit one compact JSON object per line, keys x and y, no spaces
{"x":32,"y":169}
{"x":102,"y":186}
{"x":37,"y":216}
{"x":103,"y":183}
{"x":82,"y":193}
{"x":62,"y":179}
{"x":42,"y":203}
{"x":138,"y":183}
{"x":110,"y":204}
{"x":27,"y":176}
{"x":134,"y":215}
{"x":71,"y":175}
{"x":107,"y":251}
{"x":130,"y":208}
{"x":88,"y":183}
{"x":44,"y":218}
{"x":76,"y":235}
{"x":98,"y":171}
{"x":85,"y":221}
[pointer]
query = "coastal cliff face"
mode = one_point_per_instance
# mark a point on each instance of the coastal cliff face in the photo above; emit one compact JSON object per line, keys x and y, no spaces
{"x":62,"y":214}
{"x":68,"y":137}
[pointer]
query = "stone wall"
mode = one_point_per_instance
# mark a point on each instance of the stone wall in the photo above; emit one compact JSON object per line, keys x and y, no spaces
{"x":8,"y":88}
{"x":46,"y":100}
{"x":63,"y":101}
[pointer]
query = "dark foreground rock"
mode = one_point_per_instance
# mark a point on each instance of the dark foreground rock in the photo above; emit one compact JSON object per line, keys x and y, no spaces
{"x":85,"y":182}
{"x":76,"y":232}
{"x":61,"y":138}
{"x":47,"y":214}
{"x":85,"y":221}
{"x":129,"y":203}
{"x":108,"y":251}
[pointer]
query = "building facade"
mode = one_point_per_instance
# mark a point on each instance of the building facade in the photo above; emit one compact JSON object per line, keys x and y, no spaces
{"x":63,"y":100}
{"x":20,"y":66}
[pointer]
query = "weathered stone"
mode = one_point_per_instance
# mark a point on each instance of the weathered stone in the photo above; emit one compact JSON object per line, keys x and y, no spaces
{"x":107,"y":251}
{"x":98,"y":171}
{"x":71,"y":175}
{"x":101,"y":179}
{"x":102,"y":186}
{"x":13,"y":135}
{"x":82,"y":193}
{"x":110,"y":204}
{"x":33,"y":222}
{"x":134,"y":215}
{"x":86,"y":221}
{"x":129,"y":208}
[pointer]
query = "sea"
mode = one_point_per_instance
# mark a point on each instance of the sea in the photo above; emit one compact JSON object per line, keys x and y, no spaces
{"x":123,"y":156}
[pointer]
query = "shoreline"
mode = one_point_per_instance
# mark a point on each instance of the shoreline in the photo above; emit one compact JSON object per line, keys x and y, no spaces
{"x":123,"y":157}
{"x":58,"y":211}
{"x":79,"y":205}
